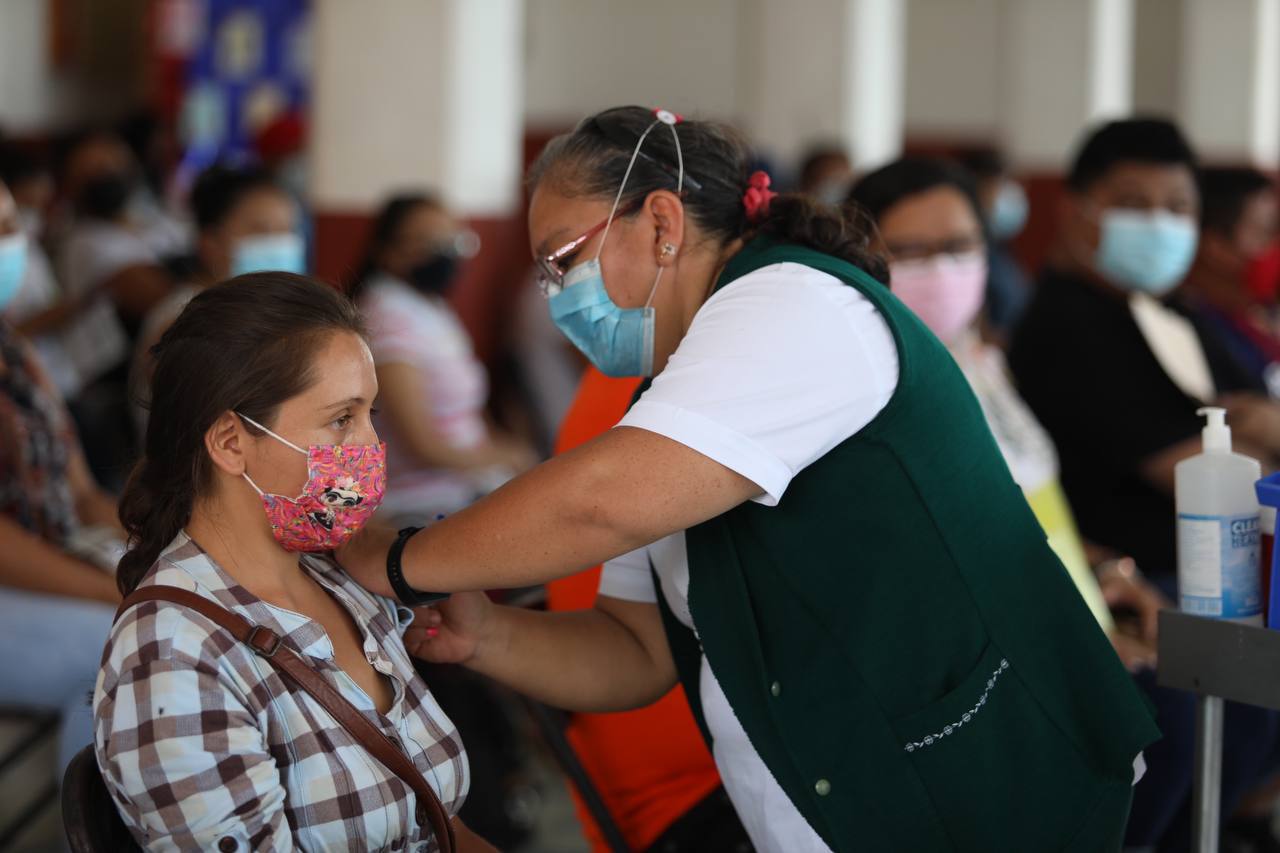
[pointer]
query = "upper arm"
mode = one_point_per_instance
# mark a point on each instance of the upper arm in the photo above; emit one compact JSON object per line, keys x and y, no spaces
{"x":187,"y":759}
{"x":401,"y":391}
{"x":137,"y":288}
{"x":776,"y":370}
{"x":649,"y":485}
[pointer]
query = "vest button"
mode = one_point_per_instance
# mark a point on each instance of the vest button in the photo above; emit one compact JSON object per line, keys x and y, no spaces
{"x":823,"y":787}
{"x":227,"y":844}
{"x":776,"y":688}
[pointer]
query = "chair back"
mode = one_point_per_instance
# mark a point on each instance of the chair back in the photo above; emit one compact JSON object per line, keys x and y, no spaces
{"x":89,"y":815}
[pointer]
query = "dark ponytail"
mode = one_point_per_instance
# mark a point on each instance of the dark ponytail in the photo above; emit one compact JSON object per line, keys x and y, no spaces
{"x":592,"y":159}
{"x":246,"y":345}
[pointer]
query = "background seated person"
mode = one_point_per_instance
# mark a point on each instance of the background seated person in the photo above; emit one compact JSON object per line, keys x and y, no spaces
{"x":58,"y":533}
{"x":444,"y":452}
{"x":245,"y":222}
{"x":1115,"y":374}
{"x":1239,"y":223}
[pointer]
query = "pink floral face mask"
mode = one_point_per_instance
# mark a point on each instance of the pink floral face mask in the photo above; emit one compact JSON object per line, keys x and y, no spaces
{"x":345,"y":484}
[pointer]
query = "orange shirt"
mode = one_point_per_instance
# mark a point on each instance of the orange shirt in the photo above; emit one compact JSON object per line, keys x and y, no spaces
{"x":650,"y":765}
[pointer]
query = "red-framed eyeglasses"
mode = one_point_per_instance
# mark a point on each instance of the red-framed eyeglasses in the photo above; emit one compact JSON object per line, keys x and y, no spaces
{"x":550,"y":270}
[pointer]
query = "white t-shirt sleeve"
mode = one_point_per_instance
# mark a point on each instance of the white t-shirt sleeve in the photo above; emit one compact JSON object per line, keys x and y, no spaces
{"x":776,"y":369}
{"x":629,"y":578}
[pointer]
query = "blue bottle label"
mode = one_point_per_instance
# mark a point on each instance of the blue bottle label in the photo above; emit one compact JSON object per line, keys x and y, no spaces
{"x":1218,"y":565}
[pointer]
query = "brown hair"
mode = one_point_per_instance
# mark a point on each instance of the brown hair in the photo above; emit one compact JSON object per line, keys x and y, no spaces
{"x":246,"y":345}
{"x":592,"y":159}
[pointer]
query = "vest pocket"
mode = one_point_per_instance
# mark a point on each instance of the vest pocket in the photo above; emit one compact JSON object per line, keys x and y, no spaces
{"x":997,"y":768}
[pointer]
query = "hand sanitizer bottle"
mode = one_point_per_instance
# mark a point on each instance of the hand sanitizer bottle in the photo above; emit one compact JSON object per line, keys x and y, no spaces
{"x":1218,"y":528}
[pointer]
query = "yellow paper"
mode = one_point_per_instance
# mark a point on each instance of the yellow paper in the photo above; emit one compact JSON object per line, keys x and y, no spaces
{"x":1050,"y":506}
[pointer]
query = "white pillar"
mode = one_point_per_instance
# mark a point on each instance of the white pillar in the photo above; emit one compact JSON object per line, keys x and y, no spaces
{"x":1230,"y":92}
{"x":1068,"y":64}
{"x":824,"y":70}
{"x":417,"y":94}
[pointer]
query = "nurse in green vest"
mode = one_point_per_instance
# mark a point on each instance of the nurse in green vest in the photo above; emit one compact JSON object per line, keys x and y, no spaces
{"x":804,"y":518}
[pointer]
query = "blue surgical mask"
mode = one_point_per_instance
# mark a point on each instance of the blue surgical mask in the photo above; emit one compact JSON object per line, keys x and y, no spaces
{"x":269,"y":252}
{"x":618,"y":341}
{"x":1149,"y":252}
{"x":1008,"y":211}
{"x":13,"y":263}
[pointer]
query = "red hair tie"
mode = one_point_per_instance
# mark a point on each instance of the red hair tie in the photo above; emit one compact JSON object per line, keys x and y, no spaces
{"x":757,"y":197}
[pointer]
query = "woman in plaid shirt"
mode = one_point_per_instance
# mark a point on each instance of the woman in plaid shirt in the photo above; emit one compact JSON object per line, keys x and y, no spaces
{"x":201,"y":742}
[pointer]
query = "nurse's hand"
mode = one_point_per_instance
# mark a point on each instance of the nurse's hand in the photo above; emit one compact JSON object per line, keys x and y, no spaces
{"x":451,"y":631}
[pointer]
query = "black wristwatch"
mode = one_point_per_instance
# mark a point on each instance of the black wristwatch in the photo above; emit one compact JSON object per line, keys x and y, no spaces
{"x":407,"y":595}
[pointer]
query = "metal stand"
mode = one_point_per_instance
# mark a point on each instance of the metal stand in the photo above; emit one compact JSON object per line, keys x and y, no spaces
{"x":1217,"y":660}
{"x":1206,"y":817}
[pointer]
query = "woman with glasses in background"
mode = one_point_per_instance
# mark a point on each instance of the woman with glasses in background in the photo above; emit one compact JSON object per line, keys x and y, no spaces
{"x":434,"y":391}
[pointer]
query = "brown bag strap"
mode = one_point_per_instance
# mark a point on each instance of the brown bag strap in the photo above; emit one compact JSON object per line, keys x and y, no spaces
{"x":270,"y":646}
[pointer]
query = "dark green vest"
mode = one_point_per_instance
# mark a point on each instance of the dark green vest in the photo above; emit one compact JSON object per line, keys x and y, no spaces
{"x":903,"y":648}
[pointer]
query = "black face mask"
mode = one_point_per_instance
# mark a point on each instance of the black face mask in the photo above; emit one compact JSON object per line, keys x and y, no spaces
{"x":104,"y":196}
{"x":435,"y":275}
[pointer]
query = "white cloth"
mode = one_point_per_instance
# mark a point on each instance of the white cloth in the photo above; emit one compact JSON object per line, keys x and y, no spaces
{"x":776,"y":370}
{"x":1025,"y":444}
{"x":39,"y":292}
{"x":1176,"y":345}
{"x":95,"y":341}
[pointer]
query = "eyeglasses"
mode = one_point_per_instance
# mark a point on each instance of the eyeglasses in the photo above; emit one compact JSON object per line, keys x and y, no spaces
{"x":918,"y":251}
{"x":550,"y":270}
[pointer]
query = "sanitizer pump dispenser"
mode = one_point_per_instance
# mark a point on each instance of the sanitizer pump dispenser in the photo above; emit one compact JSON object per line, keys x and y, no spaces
{"x":1218,"y":528}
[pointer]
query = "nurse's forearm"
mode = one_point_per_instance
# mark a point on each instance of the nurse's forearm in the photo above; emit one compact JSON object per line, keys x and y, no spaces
{"x":625,"y":489}
{"x":585,"y":660}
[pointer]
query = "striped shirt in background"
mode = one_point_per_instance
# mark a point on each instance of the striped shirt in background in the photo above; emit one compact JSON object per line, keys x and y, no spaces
{"x":204,"y":745}
{"x":422,"y":332}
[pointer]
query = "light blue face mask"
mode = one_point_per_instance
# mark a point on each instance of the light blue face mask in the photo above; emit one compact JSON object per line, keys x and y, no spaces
{"x":1008,"y":211}
{"x":618,"y":341}
{"x":1146,"y":252}
{"x":13,"y":264}
{"x":269,"y":252}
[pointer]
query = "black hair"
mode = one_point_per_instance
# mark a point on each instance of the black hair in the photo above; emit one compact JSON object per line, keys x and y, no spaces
{"x":1132,"y":140}
{"x":220,"y":188}
{"x":880,"y":190}
{"x":382,"y":232}
{"x":817,"y":156}
{"x":983,"y":163}
{"x":246,"y":345}
{"x":1223,"y":194}
{"x":591,"y":160}
{"x":18,"y":164}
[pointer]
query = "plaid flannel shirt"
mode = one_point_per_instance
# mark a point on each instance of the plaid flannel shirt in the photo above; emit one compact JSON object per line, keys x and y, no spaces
{"x":204,"y":746}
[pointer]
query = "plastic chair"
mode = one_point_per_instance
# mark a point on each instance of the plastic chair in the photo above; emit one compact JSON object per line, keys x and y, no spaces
{"x":89,"y":815}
